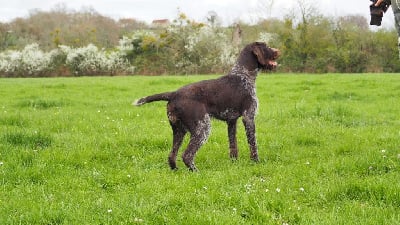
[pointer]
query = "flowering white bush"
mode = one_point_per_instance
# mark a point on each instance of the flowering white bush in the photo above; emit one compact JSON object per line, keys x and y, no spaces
{"x":83,"y":60}
{"x":89,"y":60}
{"x":137,"y":42}
{"x":204,"y":49}
{"x":31,"y":61}
{"x":34,"y":60}
{"x":125,"y":44}
{"x":116,"y":62}
{"x":267,"y":37}
{"x":218,"y":50}
{"x":183,"y":48}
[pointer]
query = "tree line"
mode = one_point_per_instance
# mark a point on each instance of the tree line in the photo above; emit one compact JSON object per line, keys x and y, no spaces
{"x":62,"y":42}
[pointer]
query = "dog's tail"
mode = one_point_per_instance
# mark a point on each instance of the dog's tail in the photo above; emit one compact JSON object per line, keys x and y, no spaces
{"x":166,"y":96}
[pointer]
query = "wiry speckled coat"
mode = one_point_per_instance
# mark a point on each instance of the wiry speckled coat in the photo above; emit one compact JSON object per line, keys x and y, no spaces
{"x":227,"y":98}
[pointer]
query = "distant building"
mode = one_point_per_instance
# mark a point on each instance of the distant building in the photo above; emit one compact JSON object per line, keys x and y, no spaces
{"x":160,"y":23}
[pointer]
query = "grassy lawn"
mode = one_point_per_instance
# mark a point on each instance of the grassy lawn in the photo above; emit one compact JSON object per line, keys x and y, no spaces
{"x":74,"y":151}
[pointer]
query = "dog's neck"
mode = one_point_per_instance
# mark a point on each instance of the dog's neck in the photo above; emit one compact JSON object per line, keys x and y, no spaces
{"x":242,"y":71}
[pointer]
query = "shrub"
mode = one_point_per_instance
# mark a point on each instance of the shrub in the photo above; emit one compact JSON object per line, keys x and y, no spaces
{"x":185,"y":47}
{"x":31,"y":61}
{"x":89,"y":60}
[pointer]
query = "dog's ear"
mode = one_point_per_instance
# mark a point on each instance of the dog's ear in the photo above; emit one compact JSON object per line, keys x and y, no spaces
{"x":258,"y":50}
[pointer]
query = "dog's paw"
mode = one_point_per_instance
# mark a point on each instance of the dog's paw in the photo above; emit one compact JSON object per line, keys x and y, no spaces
{"x":255,"y":158}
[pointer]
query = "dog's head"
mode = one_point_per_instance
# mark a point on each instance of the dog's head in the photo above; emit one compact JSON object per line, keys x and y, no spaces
{"x":265,"y":55}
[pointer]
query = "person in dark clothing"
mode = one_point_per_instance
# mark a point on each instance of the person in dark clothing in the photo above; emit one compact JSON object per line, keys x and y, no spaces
{"x":396,"y":11}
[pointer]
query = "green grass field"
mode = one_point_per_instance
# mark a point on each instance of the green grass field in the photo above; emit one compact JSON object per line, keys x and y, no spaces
{"x":75,"y":151}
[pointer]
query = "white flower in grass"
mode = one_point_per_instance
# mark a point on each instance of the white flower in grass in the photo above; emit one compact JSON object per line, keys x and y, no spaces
{"x":301,"y":189}
{"x":370,"y":167}
{"x":383,"y":151}
{"x":109,"y":210}
{"x":138,"y":220}
{"x":278,"y":190}
{"x":248,"y":188}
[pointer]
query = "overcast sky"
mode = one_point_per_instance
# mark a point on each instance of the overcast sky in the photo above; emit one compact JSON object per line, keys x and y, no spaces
{"x":229,"y":10}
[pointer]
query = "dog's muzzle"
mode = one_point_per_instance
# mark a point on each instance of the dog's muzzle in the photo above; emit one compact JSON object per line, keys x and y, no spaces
{"x":272,"y":64}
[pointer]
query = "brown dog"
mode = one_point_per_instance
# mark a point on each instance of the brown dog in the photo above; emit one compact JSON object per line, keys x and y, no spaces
{"x":226,"y":98}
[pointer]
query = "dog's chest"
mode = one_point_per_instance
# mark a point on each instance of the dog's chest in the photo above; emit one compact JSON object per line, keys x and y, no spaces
{"x":239,"y":101}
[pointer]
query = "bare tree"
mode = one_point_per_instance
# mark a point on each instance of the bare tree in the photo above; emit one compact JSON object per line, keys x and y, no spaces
{"x":307,"y":10}
{"x":265,"y":7}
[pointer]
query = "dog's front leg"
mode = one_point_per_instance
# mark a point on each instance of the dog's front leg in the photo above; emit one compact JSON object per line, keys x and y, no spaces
{"x":249,"y":125}
{"x":232,"y":139}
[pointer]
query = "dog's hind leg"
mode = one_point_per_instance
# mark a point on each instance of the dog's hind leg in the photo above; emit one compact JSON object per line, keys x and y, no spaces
{"x":199,"y":134}
{"x":179,"y":133}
